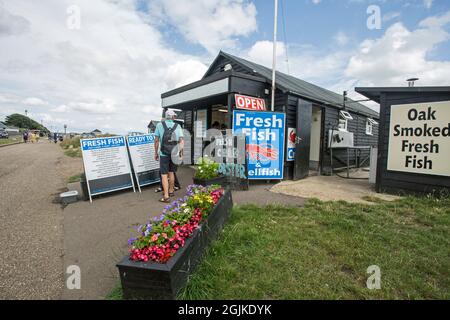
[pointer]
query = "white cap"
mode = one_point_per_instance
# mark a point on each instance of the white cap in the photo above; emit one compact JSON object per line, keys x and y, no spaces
{"x":170,"y":113}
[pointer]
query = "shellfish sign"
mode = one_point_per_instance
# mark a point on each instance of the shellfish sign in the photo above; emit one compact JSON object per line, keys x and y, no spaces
{"x":419,"y":138}
{"x":265,"y":142}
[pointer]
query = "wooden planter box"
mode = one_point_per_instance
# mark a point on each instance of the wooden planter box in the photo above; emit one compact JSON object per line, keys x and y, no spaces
{"x":220,"y":180}
{"x":152,"y":280}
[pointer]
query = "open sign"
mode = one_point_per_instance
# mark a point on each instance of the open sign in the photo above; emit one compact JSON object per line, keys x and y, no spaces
{"x":250,"y":103}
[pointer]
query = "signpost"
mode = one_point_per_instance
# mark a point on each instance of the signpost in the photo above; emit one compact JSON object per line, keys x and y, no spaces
{"x":419,"y":138}
{"x":142,"y":155}
{"x":265,"y":142}
{"x":106,"y":165}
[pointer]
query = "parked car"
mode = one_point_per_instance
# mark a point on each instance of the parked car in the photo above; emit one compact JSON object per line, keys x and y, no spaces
{"x":4,"y":134}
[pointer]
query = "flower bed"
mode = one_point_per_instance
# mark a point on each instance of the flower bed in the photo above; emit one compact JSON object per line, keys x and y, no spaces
{"x":169,"y":247}
{"x":160,"y":238}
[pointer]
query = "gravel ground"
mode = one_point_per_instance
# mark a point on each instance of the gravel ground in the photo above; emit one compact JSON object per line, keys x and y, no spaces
{"x":31,"y":263}
{"x":332,"y":188}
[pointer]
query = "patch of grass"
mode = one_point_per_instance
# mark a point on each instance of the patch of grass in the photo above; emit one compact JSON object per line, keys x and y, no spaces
{"x":74,"y":178}
{"x":115,"y":294}
{"x":74,"y":142}
{"x":74,"y":153}
{"x":9,"y":141}
{"x":322,"y":251}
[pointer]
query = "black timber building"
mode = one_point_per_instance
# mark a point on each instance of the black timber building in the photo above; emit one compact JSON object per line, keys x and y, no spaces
{"x":402,"y":181}
{"x":313,"y":110}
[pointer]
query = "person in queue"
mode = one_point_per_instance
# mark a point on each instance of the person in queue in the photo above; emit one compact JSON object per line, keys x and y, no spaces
{"x":168,"y":137}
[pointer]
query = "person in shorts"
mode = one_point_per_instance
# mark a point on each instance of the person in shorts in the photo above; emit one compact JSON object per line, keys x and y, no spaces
{"x":168,"y":146}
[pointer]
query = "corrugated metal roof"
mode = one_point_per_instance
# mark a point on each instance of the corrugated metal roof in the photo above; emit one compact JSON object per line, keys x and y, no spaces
{"x":302,"y":88}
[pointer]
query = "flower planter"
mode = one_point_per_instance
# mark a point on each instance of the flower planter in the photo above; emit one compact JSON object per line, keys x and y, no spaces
{"x":152,"y":280}
{"x":220,"y":180}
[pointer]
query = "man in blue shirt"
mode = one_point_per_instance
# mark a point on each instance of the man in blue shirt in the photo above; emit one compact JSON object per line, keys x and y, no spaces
{"x":168,"y":146}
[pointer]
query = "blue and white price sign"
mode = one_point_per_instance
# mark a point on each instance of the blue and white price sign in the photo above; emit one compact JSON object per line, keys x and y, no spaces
{"x":142,"y":154}
{"x":106,"y":164}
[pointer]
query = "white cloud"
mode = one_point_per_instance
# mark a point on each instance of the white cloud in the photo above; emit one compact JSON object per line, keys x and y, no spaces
{"x":428,"y":3}
{"x":385,"y":61}
{"x":341,"y":38}
{"x":401,"y":53}
{"x":11,"y":24}
{"x":116,"y":65}
{"x":32,"y":101}
{"x":213,"y":24}
{"x":262,"y":52}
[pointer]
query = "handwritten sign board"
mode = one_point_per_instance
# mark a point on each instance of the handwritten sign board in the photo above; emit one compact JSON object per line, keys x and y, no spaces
{"x":419,"y":138}
{"x":230,"y":154}
{"x":142,"y":155}
{"x":106,"y":165}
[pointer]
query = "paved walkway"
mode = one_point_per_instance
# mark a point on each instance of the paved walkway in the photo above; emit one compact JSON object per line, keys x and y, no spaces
{"x":30,"y":222}
{"x":40,"y":239}
{"x":96,"y":234}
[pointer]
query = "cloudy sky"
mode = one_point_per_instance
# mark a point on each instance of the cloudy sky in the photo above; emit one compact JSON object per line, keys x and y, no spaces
{"x":104,"y":63}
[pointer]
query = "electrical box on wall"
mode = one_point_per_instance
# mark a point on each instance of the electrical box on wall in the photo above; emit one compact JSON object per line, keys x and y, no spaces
{"x":340,"y":139}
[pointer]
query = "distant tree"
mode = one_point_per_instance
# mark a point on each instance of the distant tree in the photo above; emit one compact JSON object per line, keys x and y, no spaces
{"x":21,"y":121}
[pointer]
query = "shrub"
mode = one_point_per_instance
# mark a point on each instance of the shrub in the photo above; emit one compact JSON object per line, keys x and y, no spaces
{"x":207,"y":169}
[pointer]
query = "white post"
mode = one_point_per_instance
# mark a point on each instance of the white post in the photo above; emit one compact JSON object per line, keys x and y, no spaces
{"x":275,"y":24}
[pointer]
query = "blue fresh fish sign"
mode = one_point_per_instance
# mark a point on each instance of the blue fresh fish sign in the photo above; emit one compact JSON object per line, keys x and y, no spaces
{"x":265,"y":142}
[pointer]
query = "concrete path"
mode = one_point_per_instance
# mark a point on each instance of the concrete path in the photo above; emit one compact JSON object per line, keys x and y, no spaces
{"x":40,"y":239}
{"x":95,"y":235}
{"x":30,"y":222}
{"x":333,"y":188}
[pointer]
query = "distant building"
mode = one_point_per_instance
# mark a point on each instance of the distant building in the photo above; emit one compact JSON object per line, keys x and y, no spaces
{"x":135,"y":133}
{"x":152,"y":126}
{"x":96,"y":132}
{"x":9,"y":129}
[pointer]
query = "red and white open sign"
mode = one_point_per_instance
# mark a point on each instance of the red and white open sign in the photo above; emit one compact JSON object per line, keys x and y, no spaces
{"x":250,"y":103}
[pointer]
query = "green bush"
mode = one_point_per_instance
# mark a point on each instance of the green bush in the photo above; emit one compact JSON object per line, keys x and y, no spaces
{"x":75,"y":142}
{"x":207,"y":169}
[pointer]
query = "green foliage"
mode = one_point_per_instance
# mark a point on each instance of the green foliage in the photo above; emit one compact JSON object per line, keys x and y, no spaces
{"x":207,"y":169}
{"x":74,"y":153}
{"x":74,"y":142}
{"x":74,"y":178}
{"x":322,"y":251}
{"x":21,"y":121}
{"x":8,"y":141}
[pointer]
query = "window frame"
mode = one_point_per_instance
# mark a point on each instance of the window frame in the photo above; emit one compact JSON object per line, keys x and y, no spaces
{"x":369,"y":126}
{"x":344,"y":117}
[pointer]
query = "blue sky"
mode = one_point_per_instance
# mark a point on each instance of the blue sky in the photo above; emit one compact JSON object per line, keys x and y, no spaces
{"x":104,"y":63}
{"x":308,"y":23}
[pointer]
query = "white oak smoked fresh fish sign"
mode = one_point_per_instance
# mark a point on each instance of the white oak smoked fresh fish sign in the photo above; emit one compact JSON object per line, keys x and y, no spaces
{"x":419,"y":138}
{"x":250,"y":103}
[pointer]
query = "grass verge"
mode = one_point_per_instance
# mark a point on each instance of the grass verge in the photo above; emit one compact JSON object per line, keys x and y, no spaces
{"x":8,"y":141}
{"x":74,"y":178}
{"x":74,"y":153}
{"x":323,"y":251}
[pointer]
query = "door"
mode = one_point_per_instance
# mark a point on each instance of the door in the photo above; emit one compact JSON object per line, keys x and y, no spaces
{"x":303,"y":140}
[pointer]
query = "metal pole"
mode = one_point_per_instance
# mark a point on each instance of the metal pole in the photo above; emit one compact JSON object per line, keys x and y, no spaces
{"x":275,"y":23}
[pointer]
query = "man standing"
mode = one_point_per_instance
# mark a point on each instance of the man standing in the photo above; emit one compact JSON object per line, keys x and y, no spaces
{"x":168,"y":135}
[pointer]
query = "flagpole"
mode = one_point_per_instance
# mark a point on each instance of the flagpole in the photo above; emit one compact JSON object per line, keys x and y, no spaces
{"x":275,"y":24}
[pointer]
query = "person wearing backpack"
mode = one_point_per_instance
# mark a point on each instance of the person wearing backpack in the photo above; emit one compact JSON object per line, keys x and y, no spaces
{"x":168,"y":146}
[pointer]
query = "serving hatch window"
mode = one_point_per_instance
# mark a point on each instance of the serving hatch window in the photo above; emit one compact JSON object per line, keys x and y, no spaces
{"x":344,"y":117}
